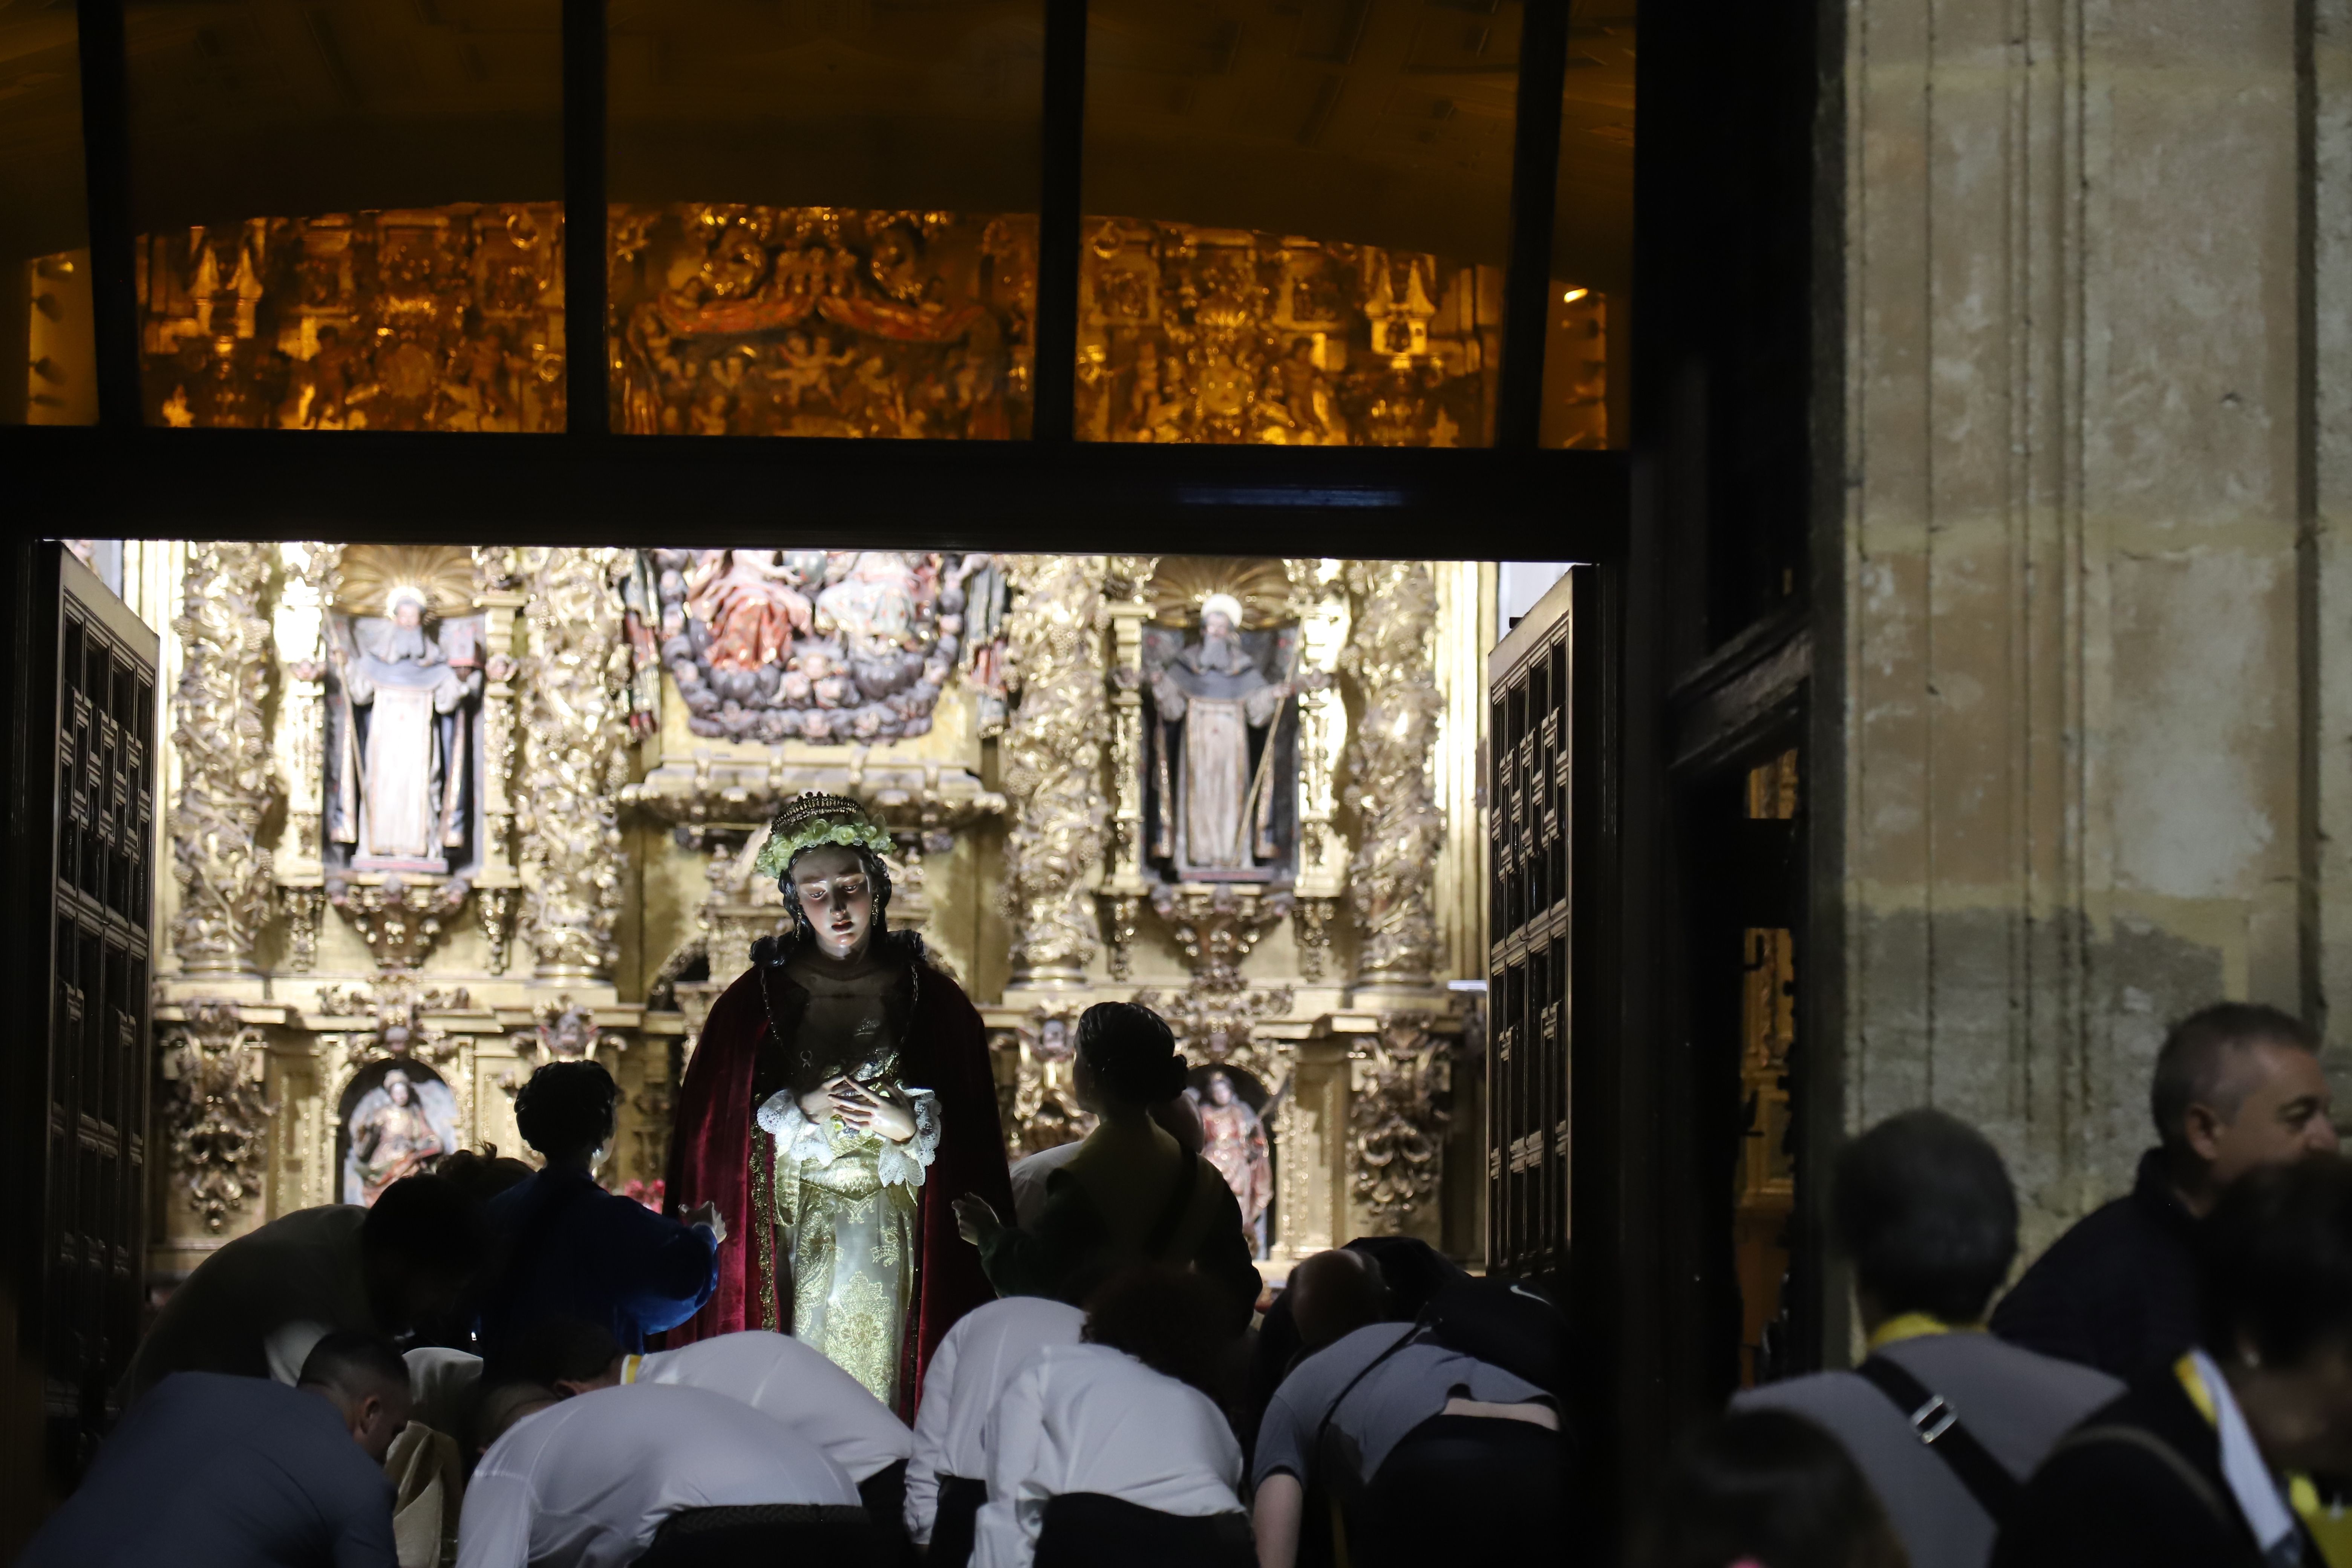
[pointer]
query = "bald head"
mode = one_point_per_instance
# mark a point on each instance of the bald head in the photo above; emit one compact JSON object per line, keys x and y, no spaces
{"x":1333,"y":1294}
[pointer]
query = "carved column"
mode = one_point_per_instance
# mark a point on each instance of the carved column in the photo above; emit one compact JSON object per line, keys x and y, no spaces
{"x":1126,"y":881}
{"x":226,"y":778}
{"x":497,"y":892}
{"x":1320,"y":598}
{"x":307,"y":585}
{"x":574,"y":760}
{"x":218,"y":1120}
{"x":1051,"y":754}
{"x":1399,"y":828}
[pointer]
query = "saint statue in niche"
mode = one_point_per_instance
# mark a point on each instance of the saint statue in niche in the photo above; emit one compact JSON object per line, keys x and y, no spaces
{"x":397,"y":1128}
{"x":1232,"y":1138}
{"x":839,"y":1099}
{"x":1217,"y":807}
{"x":400,"y":801}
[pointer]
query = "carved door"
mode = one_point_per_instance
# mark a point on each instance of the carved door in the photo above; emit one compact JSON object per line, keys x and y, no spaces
{"x":91,"y":782}
{"x":1530,"y":674}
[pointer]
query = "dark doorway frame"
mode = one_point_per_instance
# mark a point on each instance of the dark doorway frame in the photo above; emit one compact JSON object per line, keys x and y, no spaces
{"x":1700,"y":533}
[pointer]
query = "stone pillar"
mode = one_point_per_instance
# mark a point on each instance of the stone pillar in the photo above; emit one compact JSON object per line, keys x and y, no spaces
{"x":2059,"y":757}
{"x":226,"y":782}
{"x":1051,"y":754}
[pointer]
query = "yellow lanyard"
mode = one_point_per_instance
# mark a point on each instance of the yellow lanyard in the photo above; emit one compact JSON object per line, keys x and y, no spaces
{"x":1916,"y":1326}
{"x":629,"y":1365}
{"x":2329,"y":1525}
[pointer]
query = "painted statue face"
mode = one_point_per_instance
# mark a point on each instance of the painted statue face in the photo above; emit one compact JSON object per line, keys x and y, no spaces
{"x":1215,"y":627}
{"x":1220,"y":1090}
{"x":836,"y":898}
{"x":398,"y":1089}
{"x":406,"y":614}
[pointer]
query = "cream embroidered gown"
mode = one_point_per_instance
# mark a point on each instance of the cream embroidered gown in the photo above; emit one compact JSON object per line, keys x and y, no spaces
{"x":845,"y":1200}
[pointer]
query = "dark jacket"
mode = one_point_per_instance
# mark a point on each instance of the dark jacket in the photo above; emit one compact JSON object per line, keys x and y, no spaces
{"x":569,"y":1248}
{"x":2118,"y":1502}
{"x":2118,"y":1291}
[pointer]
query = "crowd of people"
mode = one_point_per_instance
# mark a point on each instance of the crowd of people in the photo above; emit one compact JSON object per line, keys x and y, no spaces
{"x":474,"y":1372}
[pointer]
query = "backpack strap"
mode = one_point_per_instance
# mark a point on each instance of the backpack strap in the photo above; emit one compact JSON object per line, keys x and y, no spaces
{"x":2164,"y":1453}
{"x":1936,"y":1425}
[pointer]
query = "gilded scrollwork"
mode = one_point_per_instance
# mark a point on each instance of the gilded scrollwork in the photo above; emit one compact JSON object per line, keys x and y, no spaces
{"x":218,"y":1113}
{"x":1401,"y":1075}
{"x":226,"y":782}
{"x":399,"y":921}
{"x":1216,"y":926}
{"x":574,"y":760}
{"x":1400,"y":828}
{"x":303,"y":907}
{"x":1052,"y":753}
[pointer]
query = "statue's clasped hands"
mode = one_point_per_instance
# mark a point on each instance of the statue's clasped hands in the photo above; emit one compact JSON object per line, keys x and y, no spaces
{"x":889,"y":1115}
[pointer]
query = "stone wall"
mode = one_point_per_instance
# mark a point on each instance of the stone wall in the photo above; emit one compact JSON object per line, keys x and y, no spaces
{"x":2095,"y":706}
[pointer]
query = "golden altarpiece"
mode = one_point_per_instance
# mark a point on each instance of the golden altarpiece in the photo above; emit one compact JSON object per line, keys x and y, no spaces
{"x":437,"y":814}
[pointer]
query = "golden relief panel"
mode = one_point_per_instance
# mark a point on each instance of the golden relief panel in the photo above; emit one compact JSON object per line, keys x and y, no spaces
{"x":436,"y":319}
{"x":735,"y":320}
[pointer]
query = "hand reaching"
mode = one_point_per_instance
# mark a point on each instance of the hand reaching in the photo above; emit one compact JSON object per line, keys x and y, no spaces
{"x":975,"y":1221}
{"x":707,"y":1215}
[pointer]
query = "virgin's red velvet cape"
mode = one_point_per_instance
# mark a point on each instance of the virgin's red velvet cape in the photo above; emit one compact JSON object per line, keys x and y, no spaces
{"x":945,"y":1050}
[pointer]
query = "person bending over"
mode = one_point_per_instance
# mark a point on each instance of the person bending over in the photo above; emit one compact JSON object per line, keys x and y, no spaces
{"x":571,"y":1249}
{"x":2238,"y":1086}
{"x":1177,"y":1115}
{"x":215,"y":1469}
{"x":1923,"y":1209}
{"x":2187,"y":1467}
{"x":1385,"y":1417}
{"x":588,"y":1482}
{"x":791,"y":1384}
{"x":946,"y":1479}
{"x":1117,"y":1450}
{"x":255,"y":1307}
{"x":1131,"y":1195}
{"x":1765,"y":1487}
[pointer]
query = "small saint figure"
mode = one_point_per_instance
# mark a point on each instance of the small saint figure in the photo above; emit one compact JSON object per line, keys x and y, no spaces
{"x":839,"y":1099}
{"x":1220,"y":809}
{"x":400,"y":796}
{"x":1232,"y":1138}
{"x":390,"y":1138}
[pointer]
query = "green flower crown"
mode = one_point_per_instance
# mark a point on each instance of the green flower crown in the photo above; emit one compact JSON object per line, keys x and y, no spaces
{"x":813,"y":820}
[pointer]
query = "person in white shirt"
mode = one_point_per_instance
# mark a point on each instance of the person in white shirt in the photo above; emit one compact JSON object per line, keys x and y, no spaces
{"x":793,"y":1384}
{"x":586,"y":1482}
{"x":947,"y":1476}
{"x":1115,"y":1450}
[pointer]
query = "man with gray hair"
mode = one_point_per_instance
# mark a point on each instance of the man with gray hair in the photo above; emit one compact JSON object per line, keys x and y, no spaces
{"x":1946,"y":1421}
{"x":2238,"y":1086}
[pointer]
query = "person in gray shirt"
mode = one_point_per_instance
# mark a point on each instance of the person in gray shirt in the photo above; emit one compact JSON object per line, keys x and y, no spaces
{"x":1923,"y":1208}
{"x":212,"y":1467}
{"x":1409,"y":1415}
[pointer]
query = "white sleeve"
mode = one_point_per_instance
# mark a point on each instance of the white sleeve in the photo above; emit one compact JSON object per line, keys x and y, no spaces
{"x":494,"y":1529}
{"x":932,"y":1441}
{"x":289,"y":1345}
{"x":903,"y":1164}
{"x":1006,"y":1534}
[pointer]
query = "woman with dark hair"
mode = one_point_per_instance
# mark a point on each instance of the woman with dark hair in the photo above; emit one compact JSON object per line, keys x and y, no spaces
{"x":1131,"y":1195}
{"x":839,"y":1096}
{"x":1117,"y":1450}
{"x":1770,"y":1490}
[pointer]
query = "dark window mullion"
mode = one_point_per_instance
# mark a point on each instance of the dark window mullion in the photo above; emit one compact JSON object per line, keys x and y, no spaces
{"x":1535,"y":178}
{"x":1053,"y":332}
{"x":105,"y":153}
{"x":587,"y":398}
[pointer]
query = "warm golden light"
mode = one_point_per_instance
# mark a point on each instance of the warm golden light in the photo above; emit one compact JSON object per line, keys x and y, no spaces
{"x":1573,"y":295}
